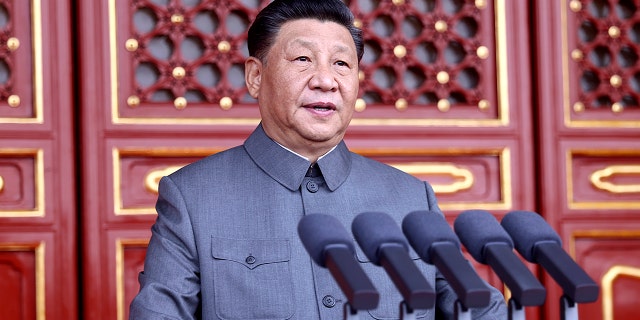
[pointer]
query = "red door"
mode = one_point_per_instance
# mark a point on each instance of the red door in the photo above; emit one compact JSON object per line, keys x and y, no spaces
{"x":38,"y":255}
{"x":502,"y":105}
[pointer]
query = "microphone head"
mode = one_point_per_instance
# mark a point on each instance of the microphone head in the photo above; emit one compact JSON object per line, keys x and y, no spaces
{"x":372,"y":229}
{"x":527,"y":229}
{"x":318,"y":231}
{"x":424,"y":228}
{"x":476,"y":229}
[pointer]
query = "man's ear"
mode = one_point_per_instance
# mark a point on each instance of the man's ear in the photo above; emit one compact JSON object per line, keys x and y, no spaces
{"x":253,"y":75}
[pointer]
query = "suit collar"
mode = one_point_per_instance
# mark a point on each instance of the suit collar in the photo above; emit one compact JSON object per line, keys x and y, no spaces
{"x":290,"y":169}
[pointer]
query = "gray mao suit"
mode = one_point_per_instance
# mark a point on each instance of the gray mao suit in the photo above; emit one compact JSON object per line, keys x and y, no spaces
{"x":225,"y":243}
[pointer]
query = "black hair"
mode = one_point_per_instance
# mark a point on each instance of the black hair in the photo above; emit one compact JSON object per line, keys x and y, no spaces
{"x":268,"y":22}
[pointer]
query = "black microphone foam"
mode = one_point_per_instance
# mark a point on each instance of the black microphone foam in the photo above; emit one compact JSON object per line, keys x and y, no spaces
{"x":528,"y":229}
{"x":433,"y":239}
{"x":490,"y":244}
{"x":330,"y":246}
{"x":318,"y":231}
{"x":383,"y":243}
{"x":476,"y":229}
{"x":424,"y":228}
{"x":537,"y":242}
{"x":372,"y":229}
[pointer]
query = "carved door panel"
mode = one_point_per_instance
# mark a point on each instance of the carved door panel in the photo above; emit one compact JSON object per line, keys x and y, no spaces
{"x":38,"y":258}
{"x":589,"y":106}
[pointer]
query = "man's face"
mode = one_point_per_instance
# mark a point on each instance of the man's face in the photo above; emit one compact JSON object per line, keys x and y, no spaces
{"x":308,"y":85}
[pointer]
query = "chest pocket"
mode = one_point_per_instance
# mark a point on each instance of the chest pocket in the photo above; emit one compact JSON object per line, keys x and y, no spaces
{"x":252,"y":278}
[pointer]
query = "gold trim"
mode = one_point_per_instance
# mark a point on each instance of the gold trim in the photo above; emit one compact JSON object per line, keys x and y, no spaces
{"x":131,"y":45}
{"x":441,"y":26}
{"x":482,"y":52}
{"x":1,"y":183}
{"x":612,"y":273}
{"x":440,"y":168}
{"x":442,"y":77}
{"x":226,"y":103}
{"x":607,"y":287}
{"x":401,"y":104}
{"x":13,"y":43}
{"x":178,"y":73}
{"x":120,"y":243}
{"x":39,"y":189}
{"x":595,"y":205}
{"x":39,"y":253}
{"x":502,"y":119}
{"x":621,"y":234}
{"x":116,"y":153}
{"x":596,"y":179}
{"x":399,"y":51}
{"x":36,"y":33}
{"x":504,"y":155}
{"x":177,"y":18}
{"x":14,"y":100}
{"x":566,"y":91}
{"x":152,"y":179}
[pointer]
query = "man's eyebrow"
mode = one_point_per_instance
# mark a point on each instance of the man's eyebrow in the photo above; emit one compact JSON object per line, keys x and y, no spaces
{"x":311,"y":44}
{"x":304,"y":43}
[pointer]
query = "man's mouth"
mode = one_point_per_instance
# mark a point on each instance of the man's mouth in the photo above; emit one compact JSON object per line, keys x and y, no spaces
{"x":322,"y":107}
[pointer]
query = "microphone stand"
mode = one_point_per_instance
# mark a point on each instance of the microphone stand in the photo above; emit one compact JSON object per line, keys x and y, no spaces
{"x":350,"y":313}
{"x":406,"y":313}
{"x":516,"y":311}
{"x":568,"y":308}
{"x":461,"y":312}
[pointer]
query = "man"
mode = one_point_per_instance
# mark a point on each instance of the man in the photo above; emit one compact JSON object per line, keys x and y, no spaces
{"x":225,"y":244}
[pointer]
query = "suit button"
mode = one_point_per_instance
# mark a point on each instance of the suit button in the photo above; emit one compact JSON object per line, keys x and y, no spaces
{"x":250,"y":260}
{"x":329,"y":301}
{"x":312,"y":186}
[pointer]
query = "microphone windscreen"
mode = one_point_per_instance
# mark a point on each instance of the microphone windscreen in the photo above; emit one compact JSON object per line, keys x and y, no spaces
{"x":372,"y":229}
{"x":528,"y":229}
{"x":476,"y":229}
{"x":424,"y":228}
{"x":318,"y":231}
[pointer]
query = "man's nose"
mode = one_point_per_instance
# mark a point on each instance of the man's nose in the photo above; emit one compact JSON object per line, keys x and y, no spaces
{"x":323,"y":79}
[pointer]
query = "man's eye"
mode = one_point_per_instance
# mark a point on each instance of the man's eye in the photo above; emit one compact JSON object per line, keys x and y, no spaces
{"x":342,"y":63}
{"x":302,"y":59}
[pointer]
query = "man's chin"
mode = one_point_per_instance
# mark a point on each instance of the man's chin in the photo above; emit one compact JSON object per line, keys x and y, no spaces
{"x":325,"y":136}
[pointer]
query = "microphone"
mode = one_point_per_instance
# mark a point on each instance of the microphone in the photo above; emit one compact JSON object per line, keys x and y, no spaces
{"x":537,"y":242}
{"x":488,"y":243}
{"x":383,"y":243}
{"x":435,"y":242}
{"x":330,"y":246}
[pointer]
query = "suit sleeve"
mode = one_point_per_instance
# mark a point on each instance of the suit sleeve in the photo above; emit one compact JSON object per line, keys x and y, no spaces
{"x":446,"y":297}
{"x":169,"y":284}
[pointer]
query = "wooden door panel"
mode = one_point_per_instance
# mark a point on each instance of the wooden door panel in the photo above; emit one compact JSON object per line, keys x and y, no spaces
{"x":588,"y":110}
{"x":21,"y":184}
{"x":603,"y":177}
{"x":37,"y":172}
{"x":19,"y":271}
{"x":129,"y":250}
{"x":609,"y":252}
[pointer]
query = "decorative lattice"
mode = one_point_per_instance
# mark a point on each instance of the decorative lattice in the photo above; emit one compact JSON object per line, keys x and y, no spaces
{"x":424,"y":53}
{"x":189,"y":51}
{"x":419,"y":55}
{"x":9,"y":43}
{"x":606,"y":54}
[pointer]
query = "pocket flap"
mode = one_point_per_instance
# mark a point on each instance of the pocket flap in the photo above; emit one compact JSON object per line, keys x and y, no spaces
{"x":251,"y":252}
